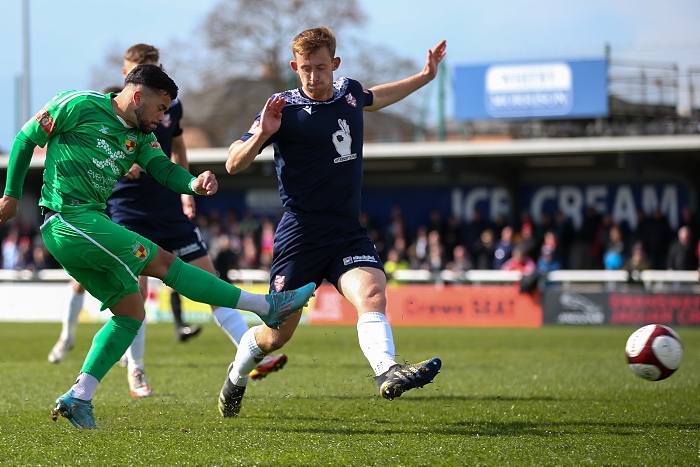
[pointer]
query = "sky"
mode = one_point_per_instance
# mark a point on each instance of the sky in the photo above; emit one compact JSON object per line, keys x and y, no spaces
{"x":69,"y":38}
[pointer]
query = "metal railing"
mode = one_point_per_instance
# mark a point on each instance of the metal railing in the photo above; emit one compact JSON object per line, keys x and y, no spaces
{"x":651,"y":279}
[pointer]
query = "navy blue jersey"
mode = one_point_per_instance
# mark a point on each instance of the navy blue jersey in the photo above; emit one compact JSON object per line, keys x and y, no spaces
{"x":318,"y":150}
{"x":134,"y":199}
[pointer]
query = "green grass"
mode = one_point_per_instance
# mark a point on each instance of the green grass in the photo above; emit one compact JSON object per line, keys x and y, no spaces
{"x":550,"y":396}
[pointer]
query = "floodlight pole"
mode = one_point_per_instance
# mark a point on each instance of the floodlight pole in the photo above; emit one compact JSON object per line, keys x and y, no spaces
{"x":442,"y":70}
{"x":25,"y":105}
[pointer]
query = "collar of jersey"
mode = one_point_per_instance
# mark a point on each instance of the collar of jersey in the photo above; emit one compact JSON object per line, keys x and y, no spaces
{"x":295,"y":96}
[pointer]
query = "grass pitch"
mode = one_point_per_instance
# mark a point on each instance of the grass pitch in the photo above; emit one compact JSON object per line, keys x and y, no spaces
{"x":550,"y":396}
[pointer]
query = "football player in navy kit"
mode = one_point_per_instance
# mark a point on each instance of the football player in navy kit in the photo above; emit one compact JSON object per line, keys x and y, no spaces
{"x":143,"y":205}
{"x":317,"y":135}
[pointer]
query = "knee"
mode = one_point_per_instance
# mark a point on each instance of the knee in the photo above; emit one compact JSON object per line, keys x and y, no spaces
{"x":375,"y":298}
{"x":159,"y":265}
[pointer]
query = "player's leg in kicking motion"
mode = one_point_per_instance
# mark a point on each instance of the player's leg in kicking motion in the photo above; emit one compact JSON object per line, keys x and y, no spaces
{"x":228,"y":319}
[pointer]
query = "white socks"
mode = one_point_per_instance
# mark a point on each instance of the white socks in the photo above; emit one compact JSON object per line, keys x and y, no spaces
{"x":376,"y":341}
{"x":71,"y":314}
{"x":84,"y":387}
{"x":253,"y":302}
{"x":137,"y":349}
{"x":247,"y":358}
{"x":231,"y":322}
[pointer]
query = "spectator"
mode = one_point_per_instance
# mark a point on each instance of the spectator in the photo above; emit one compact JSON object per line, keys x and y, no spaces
{"x":659,"y":238}
{"x":250,"y":227}
{"x":437,"y":222}
{"x":637,"y":261}
{"x":394,"y":263}
{"x":582,"y":247}
{"x":249,"y":258}
{"x":681,"y":255}
{"x":484,"y":250}
{"x":614,"y":256}
{"x":690,"y":220}
{"x":504,"y":247}
{"x":396,"y":226}
{"x":267,"y":236}
{"x":564,"y":231}
{"x":528,"y":242}
{"x":420,"y":245}
{"x":226,"y":258}
{"x":452,"y":236}
{"x":546,"y":263}
{"x":10,"y":250}
{"x":600,"y":244}
{"x":472,"y":232}
{"x":435,"y":261}
{"x":460,"y":260}
{"x":519,"y":261}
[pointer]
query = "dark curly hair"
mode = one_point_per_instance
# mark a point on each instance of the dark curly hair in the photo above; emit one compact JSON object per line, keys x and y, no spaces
{"x":154,"y":78}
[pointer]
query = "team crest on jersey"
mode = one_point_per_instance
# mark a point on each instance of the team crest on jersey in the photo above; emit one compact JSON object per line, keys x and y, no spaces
{"x":351,"y":100}
{"x":279,"y":283}
{"x":254,"y":127}
{"x":45,"y":121}
{"x":130,"y":143}
{"x":155,"y":145}
{"x":167,"y":121}
{"x":139,"y":251}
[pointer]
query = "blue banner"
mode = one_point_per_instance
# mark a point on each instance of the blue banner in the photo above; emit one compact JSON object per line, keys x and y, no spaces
{"x":620,"y":200}
{"x":542,"y":90}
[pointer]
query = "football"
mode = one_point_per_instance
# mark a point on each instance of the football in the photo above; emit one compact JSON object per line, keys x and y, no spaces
{"x":654,"y":352}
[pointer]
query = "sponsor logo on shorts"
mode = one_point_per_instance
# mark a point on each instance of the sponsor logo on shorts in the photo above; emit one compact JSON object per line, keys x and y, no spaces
{"x":139,"y":251}
{"x":279,"y":283}
{"x":359,"y":259}
{"x":186,"y":250}
{"x":45,"y":121}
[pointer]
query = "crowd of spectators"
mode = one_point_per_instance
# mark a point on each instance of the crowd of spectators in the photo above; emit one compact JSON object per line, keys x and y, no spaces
{"x":442,"y":242}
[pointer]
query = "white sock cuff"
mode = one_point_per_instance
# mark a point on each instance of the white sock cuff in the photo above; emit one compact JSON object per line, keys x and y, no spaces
{"x":371,"y":317}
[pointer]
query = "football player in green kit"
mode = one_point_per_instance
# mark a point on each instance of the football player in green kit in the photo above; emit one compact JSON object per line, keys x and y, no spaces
{"x":93,"y":139}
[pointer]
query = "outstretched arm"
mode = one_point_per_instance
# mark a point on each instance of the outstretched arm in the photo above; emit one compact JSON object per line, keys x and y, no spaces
{"x":242,"y":153}
{"x":387,"y":94}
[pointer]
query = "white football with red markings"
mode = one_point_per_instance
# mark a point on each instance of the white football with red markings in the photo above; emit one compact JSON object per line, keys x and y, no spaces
{"x":654,"y":352}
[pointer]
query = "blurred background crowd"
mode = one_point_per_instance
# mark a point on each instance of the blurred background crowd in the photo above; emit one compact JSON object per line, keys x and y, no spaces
{"x":245,"y":241}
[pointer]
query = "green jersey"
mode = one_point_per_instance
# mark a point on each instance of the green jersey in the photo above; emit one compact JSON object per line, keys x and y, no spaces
{"x":89,"y":148}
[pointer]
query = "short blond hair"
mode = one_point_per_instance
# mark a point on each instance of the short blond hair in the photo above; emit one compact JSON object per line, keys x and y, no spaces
{"x":311,"y":40}
{"x":142,"y":53}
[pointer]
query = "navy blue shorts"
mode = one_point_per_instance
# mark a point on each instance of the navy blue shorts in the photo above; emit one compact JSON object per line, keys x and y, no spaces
{"x":180,"y":236}
{"x":311,"y":248}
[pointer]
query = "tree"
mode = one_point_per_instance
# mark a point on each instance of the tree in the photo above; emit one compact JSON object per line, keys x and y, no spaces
{"x":258,"y":33}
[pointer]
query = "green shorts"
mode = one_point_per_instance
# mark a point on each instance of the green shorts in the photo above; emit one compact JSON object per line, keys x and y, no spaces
{"x":104,"y":257}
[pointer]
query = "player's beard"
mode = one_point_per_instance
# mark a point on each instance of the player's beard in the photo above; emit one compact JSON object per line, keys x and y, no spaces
{"x":144,"y":125}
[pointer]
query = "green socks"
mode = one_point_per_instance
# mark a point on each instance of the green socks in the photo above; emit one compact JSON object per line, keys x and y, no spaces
{"x":200,"y":286}
{"x":109,"y":344}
